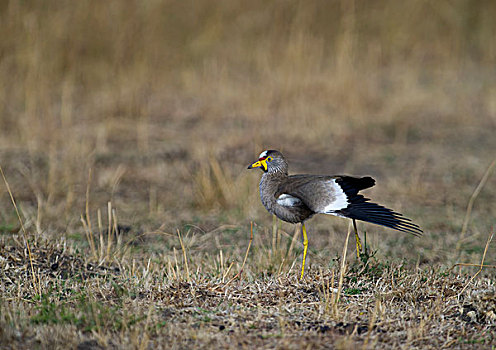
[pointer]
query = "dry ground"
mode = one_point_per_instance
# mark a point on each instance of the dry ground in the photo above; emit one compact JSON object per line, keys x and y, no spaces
{"x":125,"y":132}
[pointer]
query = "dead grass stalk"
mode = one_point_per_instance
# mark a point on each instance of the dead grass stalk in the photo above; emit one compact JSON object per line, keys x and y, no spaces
{"x":481,"y":265}
{"x":470,"y":205}
{"x":238,"y":275}
{"x":188,"y":276}
{"x":342,"y":272}
{"x":36,"y":282}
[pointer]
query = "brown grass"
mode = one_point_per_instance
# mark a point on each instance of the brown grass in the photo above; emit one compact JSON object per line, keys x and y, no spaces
{"x":167,"y":102}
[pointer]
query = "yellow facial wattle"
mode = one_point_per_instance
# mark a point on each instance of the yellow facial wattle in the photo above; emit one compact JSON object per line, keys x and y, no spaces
{"x":261,"y":163}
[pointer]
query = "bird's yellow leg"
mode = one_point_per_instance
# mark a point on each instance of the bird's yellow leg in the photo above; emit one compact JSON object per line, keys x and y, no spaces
{"x":357,"y":238}
{"x":305,"y":247}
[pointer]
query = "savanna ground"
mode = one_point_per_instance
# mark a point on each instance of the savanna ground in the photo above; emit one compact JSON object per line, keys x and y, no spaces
{"x":125,"y":132}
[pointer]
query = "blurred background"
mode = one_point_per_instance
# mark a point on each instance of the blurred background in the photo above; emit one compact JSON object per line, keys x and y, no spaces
{"x":159,"y":106}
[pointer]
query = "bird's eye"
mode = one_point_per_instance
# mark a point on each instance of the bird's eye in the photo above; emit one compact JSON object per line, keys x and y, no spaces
{"x":269,"y":159}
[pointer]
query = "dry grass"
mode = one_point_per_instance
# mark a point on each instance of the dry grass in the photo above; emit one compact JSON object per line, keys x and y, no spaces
{"x":165,"y":103}
{"x":156,"y":300}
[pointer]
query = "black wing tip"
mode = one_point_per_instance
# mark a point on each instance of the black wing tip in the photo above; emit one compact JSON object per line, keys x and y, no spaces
{"x":412,"y":229}
{"x":402,"y":226}
{"x":407,"y":227}
{"x":374,"y":213}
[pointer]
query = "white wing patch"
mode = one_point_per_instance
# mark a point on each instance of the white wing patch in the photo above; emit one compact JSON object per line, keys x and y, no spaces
{"x":340,"y":199}
{"x":288,"y":200}
{"x":262,"y":155}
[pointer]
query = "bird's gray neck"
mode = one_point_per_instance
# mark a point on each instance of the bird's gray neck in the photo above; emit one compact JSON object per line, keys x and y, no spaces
{"x":269,"y":185}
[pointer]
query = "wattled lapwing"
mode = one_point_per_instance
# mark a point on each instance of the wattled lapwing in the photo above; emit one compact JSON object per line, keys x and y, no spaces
{"x":296,"y":198}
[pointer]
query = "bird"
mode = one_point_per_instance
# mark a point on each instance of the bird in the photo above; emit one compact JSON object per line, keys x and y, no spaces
{"x":296,"y":198}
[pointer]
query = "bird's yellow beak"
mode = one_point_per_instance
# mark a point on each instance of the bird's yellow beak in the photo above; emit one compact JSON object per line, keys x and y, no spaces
{"x":261,"y":163}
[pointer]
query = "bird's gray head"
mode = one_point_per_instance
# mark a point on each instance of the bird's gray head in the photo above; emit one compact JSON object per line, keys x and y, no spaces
{"x":271,"y":161}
